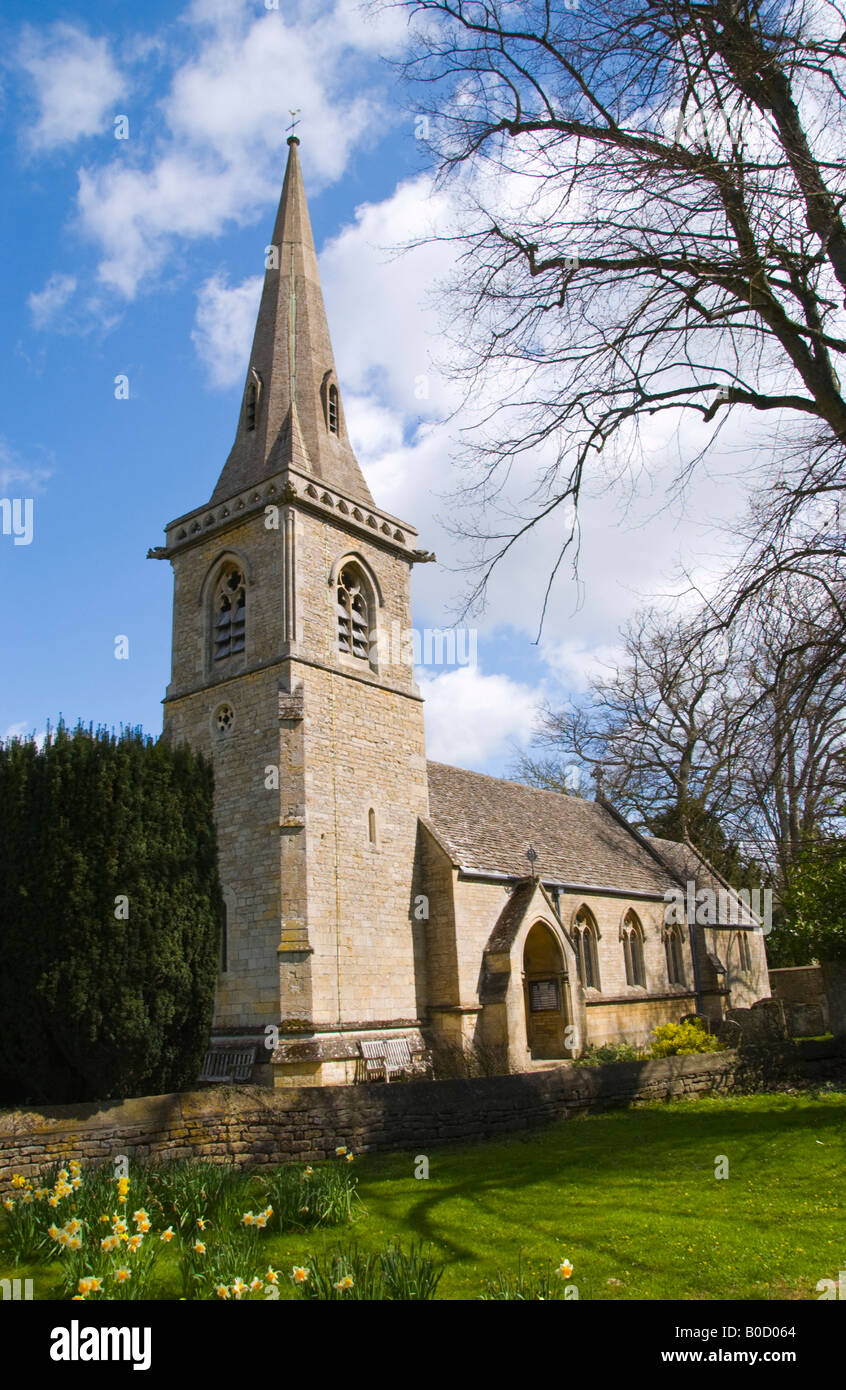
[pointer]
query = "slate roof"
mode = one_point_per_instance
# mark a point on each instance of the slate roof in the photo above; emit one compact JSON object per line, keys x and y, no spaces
{"x":690,"y":866}
{"x":486,"y":824}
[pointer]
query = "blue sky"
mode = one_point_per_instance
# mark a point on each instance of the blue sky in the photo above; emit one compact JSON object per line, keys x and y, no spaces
{"x":141,"y":257}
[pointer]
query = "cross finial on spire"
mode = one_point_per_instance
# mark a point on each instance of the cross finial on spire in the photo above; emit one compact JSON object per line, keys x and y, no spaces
{"x":293,"y":138}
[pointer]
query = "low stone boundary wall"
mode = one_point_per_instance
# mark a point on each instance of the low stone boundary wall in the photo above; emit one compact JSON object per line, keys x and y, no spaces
{"x":255,"y":1126}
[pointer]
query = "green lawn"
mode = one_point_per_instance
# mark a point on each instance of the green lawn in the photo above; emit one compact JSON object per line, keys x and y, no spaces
{"x":629,"y":1197}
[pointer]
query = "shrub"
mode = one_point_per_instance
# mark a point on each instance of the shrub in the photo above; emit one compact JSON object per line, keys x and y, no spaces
{"x":109,"y":916}
{"x":683,"y":1040}
{"x":611,"y":1052}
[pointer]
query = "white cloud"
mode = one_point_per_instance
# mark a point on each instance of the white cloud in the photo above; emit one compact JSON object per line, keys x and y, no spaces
{"x":383,"y":307}
{"x":472,"y":718}
{"x":223,"y":327}
{"x":18,"y":477}
{"x":219,"y":158}
{"x":76,"y":84}
{"x":46,"y":304}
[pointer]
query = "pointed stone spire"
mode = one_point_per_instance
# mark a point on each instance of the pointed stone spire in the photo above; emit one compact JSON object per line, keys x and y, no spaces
{"x":291,"y":412}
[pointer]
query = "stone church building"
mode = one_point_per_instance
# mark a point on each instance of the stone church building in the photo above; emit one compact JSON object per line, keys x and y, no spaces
{"x":368,"y":892}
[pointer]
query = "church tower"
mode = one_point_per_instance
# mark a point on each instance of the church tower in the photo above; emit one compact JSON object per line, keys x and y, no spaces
{"x":291,"y":673}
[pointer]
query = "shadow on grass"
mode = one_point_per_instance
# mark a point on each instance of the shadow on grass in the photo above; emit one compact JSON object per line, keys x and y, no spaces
{"x":617,"y":1169}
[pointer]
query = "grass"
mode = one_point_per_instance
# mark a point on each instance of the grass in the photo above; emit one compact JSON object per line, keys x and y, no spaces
{"x":629,"y":1197}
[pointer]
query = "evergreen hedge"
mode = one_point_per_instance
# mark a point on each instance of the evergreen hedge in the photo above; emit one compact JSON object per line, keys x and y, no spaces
{"x":93,"y":1004}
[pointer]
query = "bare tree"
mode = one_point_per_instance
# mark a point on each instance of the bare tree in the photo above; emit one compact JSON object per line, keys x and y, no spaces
{"x":745,"y":727}
{"x":790,"y":732}
{"x":656,"y":733}
{"x":656,"y":227}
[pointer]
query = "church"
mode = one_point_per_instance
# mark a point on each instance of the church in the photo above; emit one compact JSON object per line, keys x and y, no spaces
{"x":368,"y":894}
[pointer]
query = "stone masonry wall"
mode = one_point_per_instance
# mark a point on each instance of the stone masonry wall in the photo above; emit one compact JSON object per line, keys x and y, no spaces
{"x":252,"y":1126}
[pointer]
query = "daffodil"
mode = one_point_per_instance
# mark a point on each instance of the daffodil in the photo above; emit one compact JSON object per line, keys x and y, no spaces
{"x":53,"y":1232}
{"x":239,"y":1287}
{"x":143,"y":1227}
{"x":272,"y":1276}
{"x":84,"y":1286}
{"x":201,"y":1223}
{"x":119,"y":1227}
{"x":564,"y":1270}
{"x":345,"y":1283}
{"x":9,"y":1204}
{"x":248,"y":1219}
{"x":134,"y":1242}
{"x":308,"y":1171}
{"x":199,"y":1248}
{"x":350,"y":1158}
{"x":121,"y":1275}
{"x":140,"y":1215}
{"x":18,"y":1180}
{"x":96,"y":1284}
{"x":74,"y":1243}
{"x":221,"y":1290}
{"x":298,"y":1274}
{"x":341,"y":1150}
{"x":167,"y":1235}
{"x":255,"y":1284}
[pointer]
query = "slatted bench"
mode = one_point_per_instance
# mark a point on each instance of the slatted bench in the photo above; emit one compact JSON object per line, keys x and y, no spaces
{"x":387,"y":1057}
{"x":228,"y":1064}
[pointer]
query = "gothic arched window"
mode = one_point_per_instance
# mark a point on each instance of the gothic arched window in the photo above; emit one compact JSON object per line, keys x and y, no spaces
{"x":675,"y":959}
{"x":633,"y":950}
{"x":587,"y":937}
{"x":251,"y":399}
{"x":744,"y":954}
{"x":332,"y":409}
{"x":229,"y":614}
{"x":353,"y":614}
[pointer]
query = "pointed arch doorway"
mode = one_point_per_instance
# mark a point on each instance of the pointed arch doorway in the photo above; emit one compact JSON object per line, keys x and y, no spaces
{"x":547,"y":995}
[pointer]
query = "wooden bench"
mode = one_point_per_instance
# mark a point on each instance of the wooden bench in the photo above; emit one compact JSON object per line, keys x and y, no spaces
{"x":387,"y":1057}
{"x":228,"y":1064}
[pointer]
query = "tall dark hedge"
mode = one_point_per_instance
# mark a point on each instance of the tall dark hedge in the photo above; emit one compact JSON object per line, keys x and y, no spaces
{"x":93,"y":1006}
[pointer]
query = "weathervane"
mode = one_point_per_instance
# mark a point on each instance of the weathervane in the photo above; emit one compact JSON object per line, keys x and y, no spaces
{"x":292,"y":128}
{"x":531,"y":855}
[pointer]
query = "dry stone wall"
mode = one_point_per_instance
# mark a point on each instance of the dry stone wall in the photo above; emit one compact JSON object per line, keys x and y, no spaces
{"x":253,"y":1126}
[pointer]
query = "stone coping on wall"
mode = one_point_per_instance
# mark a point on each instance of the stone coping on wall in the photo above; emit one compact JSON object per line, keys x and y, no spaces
{"x":253,"y":1125}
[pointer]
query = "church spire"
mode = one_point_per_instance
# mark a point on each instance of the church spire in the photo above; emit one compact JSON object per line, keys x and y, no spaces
{"x":291,"y":412}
